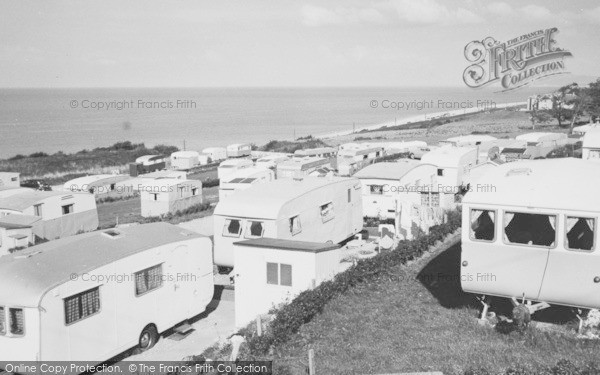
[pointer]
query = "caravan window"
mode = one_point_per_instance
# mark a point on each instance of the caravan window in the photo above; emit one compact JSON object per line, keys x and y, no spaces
{"x":483,"y":225}
{"x":148,"y":280}
{"x":232,"y":228}
{"x":327,"y":212}
{"x":580,"y":233}
{"x":376,"y":189}
{"x":254,"y":229}
{"x":430,"y":199}
{"x":67,"y":209}
{"x":2,"y":321}
{"x":16,"y":321}
{"x":295,"y":226}
{"x":279,"y":274}
{"x":530,"y":229}
{"x":82,"y":305}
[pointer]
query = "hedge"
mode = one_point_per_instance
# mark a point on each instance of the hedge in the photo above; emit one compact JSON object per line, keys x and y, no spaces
{"x":302,"y":309}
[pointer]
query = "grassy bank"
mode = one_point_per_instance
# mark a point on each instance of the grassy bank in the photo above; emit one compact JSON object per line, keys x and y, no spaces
{"x":60,"y":167}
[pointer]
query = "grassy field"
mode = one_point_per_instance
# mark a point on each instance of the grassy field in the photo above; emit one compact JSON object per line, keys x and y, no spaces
{"x":128,"y":210}
{"x":423,"y":322}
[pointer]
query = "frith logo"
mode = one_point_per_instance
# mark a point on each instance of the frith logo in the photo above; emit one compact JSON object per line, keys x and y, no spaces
{"x":514,"y":63}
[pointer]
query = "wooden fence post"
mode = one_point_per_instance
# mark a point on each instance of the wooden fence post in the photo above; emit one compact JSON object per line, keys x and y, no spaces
{"x":258,"y":326}
{"x":311,"y":362}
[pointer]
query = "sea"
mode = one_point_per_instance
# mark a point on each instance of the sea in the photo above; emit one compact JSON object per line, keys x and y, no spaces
{"x":69,"y":120}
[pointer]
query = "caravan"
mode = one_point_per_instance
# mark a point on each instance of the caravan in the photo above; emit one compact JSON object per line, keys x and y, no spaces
{"x":96,"y":295}
{"x":591,"y":144}
{"x":230,"y":166}
{"x":310,"y":209}
{"x":239,"y":150}
{"x":298,"y":167}
{"x":533,"y":239}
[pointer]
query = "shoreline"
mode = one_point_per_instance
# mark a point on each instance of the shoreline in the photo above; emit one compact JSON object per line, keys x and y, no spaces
{"x":419,"y":118}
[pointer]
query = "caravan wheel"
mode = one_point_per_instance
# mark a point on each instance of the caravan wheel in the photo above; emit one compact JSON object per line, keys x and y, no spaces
{"x":148,"y":337}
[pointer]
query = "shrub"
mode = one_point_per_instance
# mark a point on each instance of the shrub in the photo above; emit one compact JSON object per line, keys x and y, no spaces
{"x":302,"y":309}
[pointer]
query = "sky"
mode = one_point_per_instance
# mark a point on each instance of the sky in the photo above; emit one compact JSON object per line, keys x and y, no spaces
{"x":272,"y":43}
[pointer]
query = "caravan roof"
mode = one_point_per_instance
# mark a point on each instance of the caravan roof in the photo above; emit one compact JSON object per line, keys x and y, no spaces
{"x":247,"y":173}
{"x":388,"y":171}
{"x":19,"y":202}
{"x":540,"y":137}
{"x":32,"y":272}
{"x":471,"y":138}
{"x":266,"y":200}
{"x":185,"y":154}
{"x":541,"y":184}
{"x":302,"y":163}
{"x":447,"y":156}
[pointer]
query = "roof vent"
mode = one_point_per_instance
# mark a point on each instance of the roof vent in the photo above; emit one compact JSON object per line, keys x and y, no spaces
{"x":112,"y":233}
{"x":519,"y":172}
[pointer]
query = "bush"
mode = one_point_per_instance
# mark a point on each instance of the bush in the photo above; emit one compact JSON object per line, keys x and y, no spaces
{"x":302,"y":309}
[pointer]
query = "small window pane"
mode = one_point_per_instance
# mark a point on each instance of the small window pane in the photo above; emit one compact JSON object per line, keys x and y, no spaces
{"x":580,"y":233}
{"x":254,"y":229}
{"x":272,"y":275}
{"x":148,"y":280}
{"x":530,"y":229}
{"x":295,"y":226}
{"x":17,"y":324}
{"x":483,"y":225}
{"x":376,"y":189}
{"x":327,"y":212}
{"x":82,"y":305}
{"x":232,"y":228}
{"x":2,"y":321}
{"x":67,"y":209}
{"x":286,"y":275}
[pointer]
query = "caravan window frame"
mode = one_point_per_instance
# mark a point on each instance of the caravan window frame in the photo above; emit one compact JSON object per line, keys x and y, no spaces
{"x":471,"y":232}
{"x":144,"y":271}
{"x":78,"y":295}
{"x":226,"y":228}
{"x":248,"y":231}
{"x":290,"y":223}
{"x":325,"y":219}
{"x":517,"y":211}
{"x":594,"y":229}
{"x":9,"y":321}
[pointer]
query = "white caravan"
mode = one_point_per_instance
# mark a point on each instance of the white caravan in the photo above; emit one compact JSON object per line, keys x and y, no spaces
{"x":591,"y":144}
{"x":298,"y":167}
{"x":96,"y":295}
{"x":230,"y":166}
{"x":238,"y":150}
{"x":533,"y":238}
{"x":467,"y":140}
{"x":321,"y":152}
{"x":454,"y":165}
{"x":243,"y":179}
{"x":539,"y":145}
{"x":215,"y":153}
{"x":184,"y":160}
{"x":271,"y":161}
{"x":310,"y":209}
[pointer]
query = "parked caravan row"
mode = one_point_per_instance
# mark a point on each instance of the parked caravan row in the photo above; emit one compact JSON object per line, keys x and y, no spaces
{"x":96,"y":295}
{"x":539,"y":145}
{"x":349,"y":160}
{"x":321,"y":152}
{"x":467,"y":140}
{"x":534,"y":238}
{"x":310,"y":209}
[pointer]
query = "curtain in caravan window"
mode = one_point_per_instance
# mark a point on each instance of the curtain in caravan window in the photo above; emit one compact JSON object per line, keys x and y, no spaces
{"x":580,"y":233}
{"x":2,"y":321}
{"x":483,"y":225}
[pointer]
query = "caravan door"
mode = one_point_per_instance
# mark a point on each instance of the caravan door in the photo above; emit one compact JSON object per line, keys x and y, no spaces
{"x":573,"y":274}
{"x":505,"y":253}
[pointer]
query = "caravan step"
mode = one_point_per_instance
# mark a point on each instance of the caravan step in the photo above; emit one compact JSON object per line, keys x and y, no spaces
{"x":184,"y":328}
{"x":182,"y":331}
